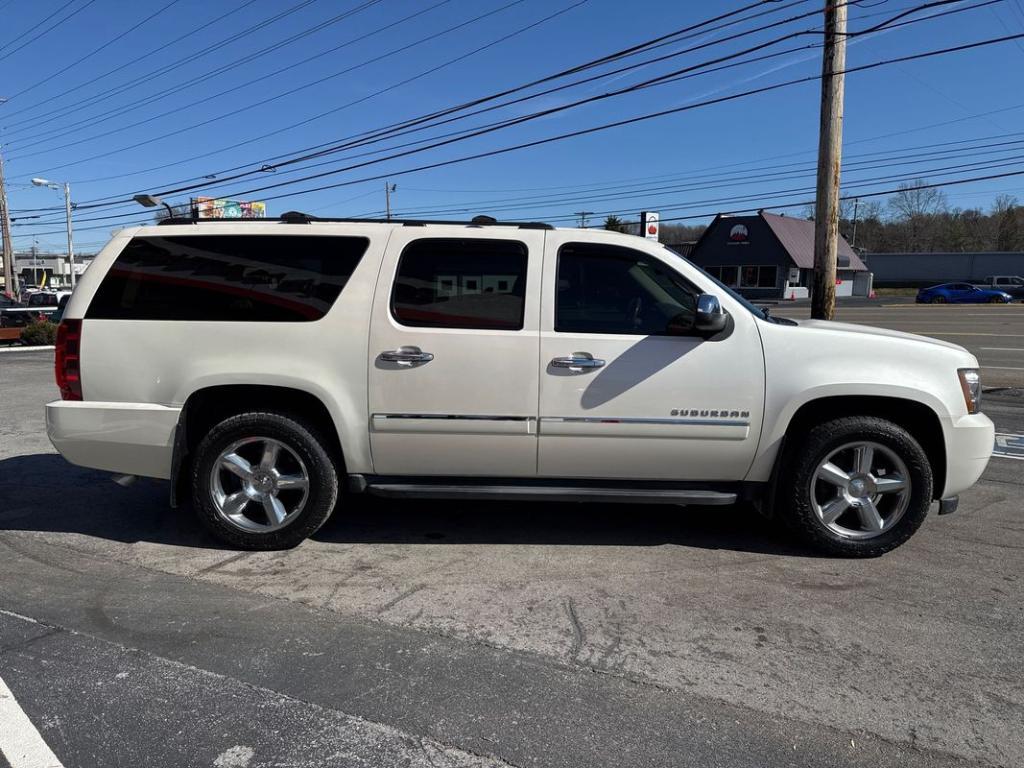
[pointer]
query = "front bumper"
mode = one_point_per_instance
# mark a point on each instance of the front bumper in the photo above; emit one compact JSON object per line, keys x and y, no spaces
{"x":127,"y":438}
{"x":969,"y":443}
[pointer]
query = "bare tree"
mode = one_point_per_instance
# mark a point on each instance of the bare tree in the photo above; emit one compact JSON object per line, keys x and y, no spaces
{"x":916,"y":200}
{"x":1007,"y":215}
{"x":915,"y":208}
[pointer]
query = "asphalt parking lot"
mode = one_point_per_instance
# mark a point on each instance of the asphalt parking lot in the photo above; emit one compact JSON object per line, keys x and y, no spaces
{"x":994,"y":333}
{"x":473,"y":634}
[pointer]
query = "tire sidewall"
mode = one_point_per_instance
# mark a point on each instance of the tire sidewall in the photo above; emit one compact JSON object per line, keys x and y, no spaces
{"x":825,"y":438}
{"x":299,"y":437}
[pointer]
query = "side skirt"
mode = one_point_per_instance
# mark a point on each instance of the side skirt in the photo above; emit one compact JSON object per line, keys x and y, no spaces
{"x":536,"y":489}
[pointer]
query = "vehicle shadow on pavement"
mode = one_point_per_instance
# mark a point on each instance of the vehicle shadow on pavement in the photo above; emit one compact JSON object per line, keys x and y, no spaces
{"x":739,"y":528}
{"x":44,"y":493}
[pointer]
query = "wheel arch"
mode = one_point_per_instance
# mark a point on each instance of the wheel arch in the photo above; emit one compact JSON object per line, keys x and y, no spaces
{"x":919,"y":419}
{"x":210,"y":405}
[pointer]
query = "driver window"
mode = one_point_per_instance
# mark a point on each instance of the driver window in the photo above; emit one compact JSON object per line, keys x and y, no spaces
{"x":611,"y":289}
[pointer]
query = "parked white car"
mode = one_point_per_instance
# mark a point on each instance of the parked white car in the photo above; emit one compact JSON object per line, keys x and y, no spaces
{"x":273,"y":367}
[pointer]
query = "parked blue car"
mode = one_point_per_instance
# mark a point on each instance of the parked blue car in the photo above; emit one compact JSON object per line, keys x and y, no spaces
{"x":961,"y":293}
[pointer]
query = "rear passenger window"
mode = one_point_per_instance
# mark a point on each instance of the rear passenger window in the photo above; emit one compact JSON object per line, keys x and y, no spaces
{"x":255,"y":278}
{"x":451,"y":283}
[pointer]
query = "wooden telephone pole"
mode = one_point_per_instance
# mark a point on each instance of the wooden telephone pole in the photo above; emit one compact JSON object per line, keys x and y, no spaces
{"x":5,"y":225}
{"x":830,"y":149}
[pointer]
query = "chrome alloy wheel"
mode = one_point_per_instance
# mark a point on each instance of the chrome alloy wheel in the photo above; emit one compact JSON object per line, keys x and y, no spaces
{"x":860,"y":490}
{"x":259,"y":485}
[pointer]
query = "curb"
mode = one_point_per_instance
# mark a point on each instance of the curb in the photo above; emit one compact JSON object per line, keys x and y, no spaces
{"x":24,"y":348}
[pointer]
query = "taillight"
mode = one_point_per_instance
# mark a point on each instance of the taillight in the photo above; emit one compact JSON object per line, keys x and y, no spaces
{"x":67,"y":360}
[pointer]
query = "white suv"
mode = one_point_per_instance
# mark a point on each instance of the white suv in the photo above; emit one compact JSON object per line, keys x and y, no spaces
{"x":275,"y":366}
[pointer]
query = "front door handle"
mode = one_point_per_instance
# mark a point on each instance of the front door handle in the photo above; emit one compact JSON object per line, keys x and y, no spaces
{"x":577,"y":361}
{"x":406,"y":356}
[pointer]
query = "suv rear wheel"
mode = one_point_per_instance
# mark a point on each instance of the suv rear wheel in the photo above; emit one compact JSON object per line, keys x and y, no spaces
{"x":857,"y":486}
{"x":263,"y":481}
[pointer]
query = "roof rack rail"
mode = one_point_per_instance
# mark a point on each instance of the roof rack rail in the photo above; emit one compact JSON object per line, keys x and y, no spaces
{"x":297,"y":217}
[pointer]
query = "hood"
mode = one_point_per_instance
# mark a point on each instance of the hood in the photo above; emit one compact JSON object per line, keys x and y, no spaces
{"x":867,"y":330}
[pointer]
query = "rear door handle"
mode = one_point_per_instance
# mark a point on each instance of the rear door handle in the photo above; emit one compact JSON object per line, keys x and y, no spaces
{"x":406,"y":356}
{"x":577,"y":361}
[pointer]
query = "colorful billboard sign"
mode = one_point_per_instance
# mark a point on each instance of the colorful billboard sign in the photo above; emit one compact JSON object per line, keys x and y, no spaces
{"x":213,"y":208}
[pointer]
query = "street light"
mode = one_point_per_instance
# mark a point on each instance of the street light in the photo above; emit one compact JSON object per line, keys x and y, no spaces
{"x":152,"y":201}
{"x":67,"y":209}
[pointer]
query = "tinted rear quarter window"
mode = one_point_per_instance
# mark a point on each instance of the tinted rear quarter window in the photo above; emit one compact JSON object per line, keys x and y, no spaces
{"x":255,"y":278}
{"x":453,"y":283}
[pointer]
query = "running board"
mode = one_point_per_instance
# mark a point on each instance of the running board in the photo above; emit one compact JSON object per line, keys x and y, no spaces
{"x":550,"y":493}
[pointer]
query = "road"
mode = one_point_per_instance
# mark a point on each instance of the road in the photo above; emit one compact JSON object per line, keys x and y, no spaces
{"x":487,"y":634}
{"x":994,"y":333}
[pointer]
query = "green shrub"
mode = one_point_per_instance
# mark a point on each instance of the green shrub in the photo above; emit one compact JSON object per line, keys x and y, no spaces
{"x":39,"y":333}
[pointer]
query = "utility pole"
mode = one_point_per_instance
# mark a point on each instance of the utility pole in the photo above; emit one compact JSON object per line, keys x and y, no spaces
{"x":67,"y":211}
{"x":583,"y":218}
{"x":388,"y":189}
{"x":853,"y":237}
{"x":830,"y":147}
{"x":5,"y":225}
{"x":71,"y":245}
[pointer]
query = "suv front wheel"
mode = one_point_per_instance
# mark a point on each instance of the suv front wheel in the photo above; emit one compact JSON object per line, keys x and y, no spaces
{"x":857,"y":486}
{"x":263,"y":481}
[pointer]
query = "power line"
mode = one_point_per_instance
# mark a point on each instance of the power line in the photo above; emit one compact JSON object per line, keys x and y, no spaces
{"x":31,"y":29}
{"x":136,"y":60}
{"x":644,"y":191}
{"x":593,"y":129}
{"x":104,"y":95}
{"x":620,"y":122}
{"x":604,"y":126}
{"x":588,"y":130}
{"x":710,"y":214}
{"x":670,"y":77}
{"x":92,"y":53}
{"x":48,"y":30}
{"x":54,"y":134}
{"x":221,"y":181}
{"x":291,"y":91}
{"x":487,"y":128}
{"x":632,"y":50}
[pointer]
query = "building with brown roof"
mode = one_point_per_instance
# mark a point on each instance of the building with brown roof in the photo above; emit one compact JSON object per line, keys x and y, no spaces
{"x":768,"y":256}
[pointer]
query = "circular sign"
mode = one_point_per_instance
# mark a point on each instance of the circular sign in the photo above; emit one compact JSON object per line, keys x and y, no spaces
{"x":738,"y":234}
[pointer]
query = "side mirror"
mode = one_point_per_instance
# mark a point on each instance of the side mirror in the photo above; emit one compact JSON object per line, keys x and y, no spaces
{"x":711,"y":318}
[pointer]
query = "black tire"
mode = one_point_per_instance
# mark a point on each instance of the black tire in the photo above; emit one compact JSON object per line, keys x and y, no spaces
{"x":306,"y":443}
{"x":801,"y":463}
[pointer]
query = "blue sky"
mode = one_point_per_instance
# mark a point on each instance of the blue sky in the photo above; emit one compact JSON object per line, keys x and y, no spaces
{"x":689,"y":163}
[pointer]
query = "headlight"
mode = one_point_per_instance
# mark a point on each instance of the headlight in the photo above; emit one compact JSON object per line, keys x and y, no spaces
{"x":970,"y":383}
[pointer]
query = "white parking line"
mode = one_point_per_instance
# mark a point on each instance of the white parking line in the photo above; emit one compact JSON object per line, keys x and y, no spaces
{"x":1009,"y":446}
{"x":1002,"y":349}
{"x":20,"y":742}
